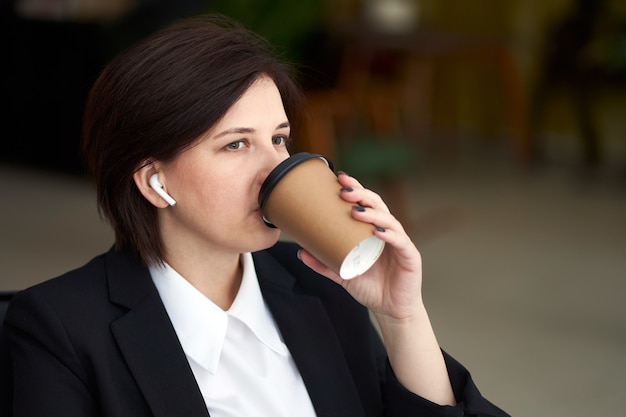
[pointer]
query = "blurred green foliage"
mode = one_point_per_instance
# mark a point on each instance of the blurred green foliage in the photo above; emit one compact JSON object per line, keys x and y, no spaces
{"x":286,"y":24}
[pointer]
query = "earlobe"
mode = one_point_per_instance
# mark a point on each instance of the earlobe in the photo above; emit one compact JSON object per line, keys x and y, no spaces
{"x":150,"y":187}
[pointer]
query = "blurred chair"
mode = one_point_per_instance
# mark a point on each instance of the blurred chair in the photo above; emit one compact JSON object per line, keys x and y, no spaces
{"x":357,"y":120}
{"x":6,"y":371}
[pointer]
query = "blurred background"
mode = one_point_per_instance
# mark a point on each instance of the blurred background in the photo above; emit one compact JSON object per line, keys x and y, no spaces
{"x":496,"y":131}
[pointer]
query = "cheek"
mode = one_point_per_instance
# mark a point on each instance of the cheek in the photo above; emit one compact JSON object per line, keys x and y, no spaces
{"x":215,"y":190}
{"x":222,"y":196}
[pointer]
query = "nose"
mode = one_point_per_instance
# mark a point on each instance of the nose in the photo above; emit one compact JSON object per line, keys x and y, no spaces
{"x":271,"y":158}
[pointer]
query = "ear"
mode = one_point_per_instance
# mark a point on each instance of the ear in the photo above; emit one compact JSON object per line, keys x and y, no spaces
{"x":142,"y":181}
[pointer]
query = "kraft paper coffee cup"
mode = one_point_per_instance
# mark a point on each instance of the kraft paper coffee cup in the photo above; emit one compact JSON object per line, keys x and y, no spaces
{"x":301,"y":198}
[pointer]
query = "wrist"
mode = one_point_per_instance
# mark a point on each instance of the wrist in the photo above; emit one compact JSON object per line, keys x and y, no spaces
{"x":415,"y":355}
{"x":401,"y":317}
{"x":393,"y":326}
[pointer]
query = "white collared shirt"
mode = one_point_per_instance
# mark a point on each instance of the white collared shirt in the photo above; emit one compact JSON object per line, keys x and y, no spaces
{"x":240,"y":362}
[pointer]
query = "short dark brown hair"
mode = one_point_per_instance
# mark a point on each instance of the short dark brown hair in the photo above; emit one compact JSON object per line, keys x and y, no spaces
{"x":155,"y":99}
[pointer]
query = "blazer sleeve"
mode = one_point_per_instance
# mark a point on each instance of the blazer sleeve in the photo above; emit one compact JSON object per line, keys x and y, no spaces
{"x":400,"y":402}
{"x":49,"y":378}
{"x":397,"y":400}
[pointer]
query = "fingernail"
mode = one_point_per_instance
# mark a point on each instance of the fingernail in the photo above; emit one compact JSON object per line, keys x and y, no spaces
{"x":344,"y":173}
{"x":347,"y":189}
{"x":359,"y":208}
{"x":380,"y":229}
{"x":298,"y":254}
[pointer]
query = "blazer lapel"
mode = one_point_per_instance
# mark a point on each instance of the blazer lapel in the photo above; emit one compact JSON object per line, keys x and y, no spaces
{"x":310,"y":337}
{"x":150,"y":347}
{"x":149,"y":343}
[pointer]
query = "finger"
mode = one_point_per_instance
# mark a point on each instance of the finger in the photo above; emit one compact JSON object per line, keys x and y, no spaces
{"x":317,"y":266}
{"x":353,"y":192}
{"x":348,"y":181}
{"x":382,"y":219}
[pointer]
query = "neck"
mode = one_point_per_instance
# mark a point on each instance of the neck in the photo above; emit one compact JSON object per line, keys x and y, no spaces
{"x":217,"y":278}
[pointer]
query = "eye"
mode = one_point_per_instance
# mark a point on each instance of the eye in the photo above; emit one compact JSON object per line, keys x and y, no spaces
{"x":279,"y":140}
{"x":235,"y":145}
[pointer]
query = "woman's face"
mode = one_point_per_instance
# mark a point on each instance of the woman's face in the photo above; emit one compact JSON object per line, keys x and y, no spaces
{"x":216,"y":182}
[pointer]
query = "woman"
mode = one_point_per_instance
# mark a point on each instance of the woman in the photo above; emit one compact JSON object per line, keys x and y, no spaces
{"x":198,"y":309}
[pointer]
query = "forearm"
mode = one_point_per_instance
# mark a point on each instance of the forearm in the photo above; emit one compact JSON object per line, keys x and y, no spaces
{"x":415,"y":356}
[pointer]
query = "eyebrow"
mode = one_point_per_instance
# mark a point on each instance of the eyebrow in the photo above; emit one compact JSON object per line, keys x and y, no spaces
{"x":244,"y":130}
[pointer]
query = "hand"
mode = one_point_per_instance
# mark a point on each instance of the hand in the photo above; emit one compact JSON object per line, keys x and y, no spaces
{"x":392,"y":290}
{"x":392,"y":286}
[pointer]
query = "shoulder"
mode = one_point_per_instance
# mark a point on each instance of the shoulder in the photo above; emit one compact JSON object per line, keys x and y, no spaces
{"x":57,"y":309}
{"x":78,"y":293}
{"x":74,"y":282}
{"x":75,"y":310}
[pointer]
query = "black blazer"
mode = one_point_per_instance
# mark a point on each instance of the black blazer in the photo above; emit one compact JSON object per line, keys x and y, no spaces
{"x":97,"y":341}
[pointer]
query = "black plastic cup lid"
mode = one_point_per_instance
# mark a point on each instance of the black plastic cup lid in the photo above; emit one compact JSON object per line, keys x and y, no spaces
{"x":279,"y":172}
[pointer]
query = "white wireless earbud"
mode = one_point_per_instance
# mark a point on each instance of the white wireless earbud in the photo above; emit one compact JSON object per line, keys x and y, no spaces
{"x":156,"y":186}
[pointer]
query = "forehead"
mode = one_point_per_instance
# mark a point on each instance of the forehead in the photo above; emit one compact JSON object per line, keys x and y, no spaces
{"x":259,"y":108}
{"x":262,"y":100}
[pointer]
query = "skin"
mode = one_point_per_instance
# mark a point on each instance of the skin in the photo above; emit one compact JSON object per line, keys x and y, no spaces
{"x":392,"y":290}
{"x":216,"y":218}
{"x":215,"y":184}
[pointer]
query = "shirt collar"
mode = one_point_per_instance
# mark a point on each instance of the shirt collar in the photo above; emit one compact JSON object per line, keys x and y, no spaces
{"x":201,"y":325}
{"x":250,"y":308}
